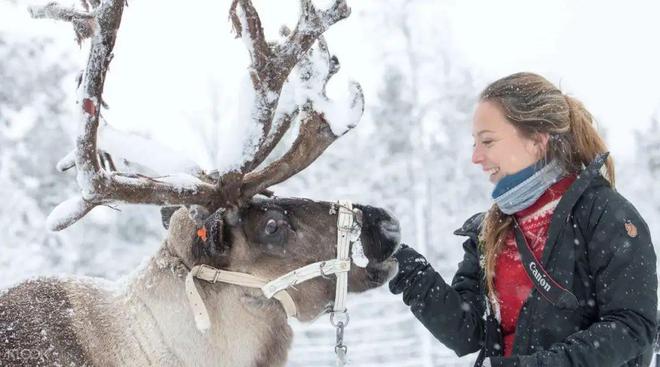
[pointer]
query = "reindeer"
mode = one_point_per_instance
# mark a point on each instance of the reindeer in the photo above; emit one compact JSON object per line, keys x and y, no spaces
{"x":237,"y":261}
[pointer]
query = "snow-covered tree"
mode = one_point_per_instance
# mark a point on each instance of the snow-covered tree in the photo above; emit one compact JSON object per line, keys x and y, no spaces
{"x":411,"y":154}
{"x":645,"y":168}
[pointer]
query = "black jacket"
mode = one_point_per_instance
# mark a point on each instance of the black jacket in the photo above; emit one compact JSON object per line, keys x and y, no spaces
{"x":598,"y":247}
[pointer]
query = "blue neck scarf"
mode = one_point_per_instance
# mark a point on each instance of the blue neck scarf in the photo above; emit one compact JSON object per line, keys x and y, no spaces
{"x":520,"y":190}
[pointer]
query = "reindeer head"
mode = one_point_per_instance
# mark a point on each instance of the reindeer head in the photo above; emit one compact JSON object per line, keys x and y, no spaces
{"x":262,"y":236}
{"x":271,"y":237}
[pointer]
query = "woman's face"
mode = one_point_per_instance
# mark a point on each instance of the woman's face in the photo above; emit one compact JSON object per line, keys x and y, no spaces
{"x":498,"y":147}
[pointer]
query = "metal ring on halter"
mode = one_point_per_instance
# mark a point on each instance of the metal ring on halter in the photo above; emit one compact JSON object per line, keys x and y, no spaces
{"x":343,"y":319}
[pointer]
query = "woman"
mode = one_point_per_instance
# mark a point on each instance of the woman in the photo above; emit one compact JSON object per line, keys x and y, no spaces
{"x":561,"y":270}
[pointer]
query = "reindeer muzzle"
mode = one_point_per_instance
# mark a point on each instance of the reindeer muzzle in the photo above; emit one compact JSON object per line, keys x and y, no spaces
{"x":348,"y":231}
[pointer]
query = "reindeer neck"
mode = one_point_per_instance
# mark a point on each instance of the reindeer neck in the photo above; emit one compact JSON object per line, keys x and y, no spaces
{"x":246,"y":329}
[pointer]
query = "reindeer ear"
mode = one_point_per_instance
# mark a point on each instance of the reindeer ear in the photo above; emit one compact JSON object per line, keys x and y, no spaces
{"x":196,"y":212}
{"x":209,"y":239}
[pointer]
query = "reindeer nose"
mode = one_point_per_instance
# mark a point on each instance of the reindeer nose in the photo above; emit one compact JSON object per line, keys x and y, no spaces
{"x":389,"y":226}
{"x":391,"y":230}
{"x":380,"y":232}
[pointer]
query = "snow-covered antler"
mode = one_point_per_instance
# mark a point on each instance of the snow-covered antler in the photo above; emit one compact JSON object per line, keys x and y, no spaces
{"x":280,"y":97}
{"x":83,"y":22}
{"x":271,"y":69}
{"x":316,"y":133}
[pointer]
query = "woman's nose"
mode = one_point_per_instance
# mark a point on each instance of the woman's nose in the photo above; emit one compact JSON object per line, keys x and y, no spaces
{"x":477,"y":156}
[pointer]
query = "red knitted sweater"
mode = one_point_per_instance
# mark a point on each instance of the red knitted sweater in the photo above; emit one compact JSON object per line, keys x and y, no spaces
{"x":512,"y":284}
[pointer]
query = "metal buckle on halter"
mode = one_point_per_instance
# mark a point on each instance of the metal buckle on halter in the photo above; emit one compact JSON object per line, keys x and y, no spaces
{"x":345,"y":219}
{"x":198,"y":269}
{"x":204,"y":267}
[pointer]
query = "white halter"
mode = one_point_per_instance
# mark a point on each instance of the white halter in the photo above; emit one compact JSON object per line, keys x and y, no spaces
{"x":347,"y":232}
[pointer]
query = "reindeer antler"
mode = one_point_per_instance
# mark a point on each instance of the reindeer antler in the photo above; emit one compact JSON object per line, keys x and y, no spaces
{"x":316,"y":134}
{"x":280,"y":97}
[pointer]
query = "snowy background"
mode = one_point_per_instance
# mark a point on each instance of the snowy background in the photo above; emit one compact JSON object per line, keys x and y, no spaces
{"x":174,"y":79}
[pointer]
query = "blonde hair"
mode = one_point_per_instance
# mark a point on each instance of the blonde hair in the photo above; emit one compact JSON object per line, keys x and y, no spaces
{"x":534,"y":106}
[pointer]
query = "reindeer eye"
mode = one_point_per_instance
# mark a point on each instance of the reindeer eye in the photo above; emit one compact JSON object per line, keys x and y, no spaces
{"x":271,"y":226}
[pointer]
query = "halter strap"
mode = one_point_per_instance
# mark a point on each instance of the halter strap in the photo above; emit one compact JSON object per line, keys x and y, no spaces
{"x":345,"y":229}
{"x":213,"y":275}
{"x":321,"y":268}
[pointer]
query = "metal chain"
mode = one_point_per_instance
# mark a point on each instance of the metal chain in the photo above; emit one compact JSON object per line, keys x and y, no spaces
{"x":341,"y":350}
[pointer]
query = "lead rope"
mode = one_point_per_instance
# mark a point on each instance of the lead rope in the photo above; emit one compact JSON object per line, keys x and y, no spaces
{"x":339,"y":316}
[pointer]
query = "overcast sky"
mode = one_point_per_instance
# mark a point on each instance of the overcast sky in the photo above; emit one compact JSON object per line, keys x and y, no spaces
{"x":173,"y":62}
{"x":606,"y":53}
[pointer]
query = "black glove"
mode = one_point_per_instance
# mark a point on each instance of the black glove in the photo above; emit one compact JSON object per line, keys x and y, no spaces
{"x":411,"y":264}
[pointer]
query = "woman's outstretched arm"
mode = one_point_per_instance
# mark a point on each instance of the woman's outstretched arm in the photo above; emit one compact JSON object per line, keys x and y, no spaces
{"x":453,"y":314}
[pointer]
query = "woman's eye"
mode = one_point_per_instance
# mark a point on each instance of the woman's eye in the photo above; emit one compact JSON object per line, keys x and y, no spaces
{"x":271,"y":226}
{"x":487,"y":142}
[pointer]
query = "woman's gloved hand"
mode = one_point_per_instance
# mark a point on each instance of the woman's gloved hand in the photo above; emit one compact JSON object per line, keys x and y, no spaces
{"x":411,"y":264}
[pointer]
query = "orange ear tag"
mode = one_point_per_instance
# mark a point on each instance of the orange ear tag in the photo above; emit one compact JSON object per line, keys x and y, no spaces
{"x":201,"y":233}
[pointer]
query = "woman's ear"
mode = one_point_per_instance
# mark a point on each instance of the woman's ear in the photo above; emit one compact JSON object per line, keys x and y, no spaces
{"x":540,"y":144}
